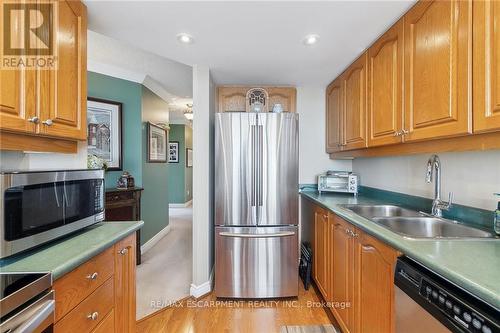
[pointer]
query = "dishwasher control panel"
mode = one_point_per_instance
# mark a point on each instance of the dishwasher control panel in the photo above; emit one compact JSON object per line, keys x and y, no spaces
{"x":454,"y":307}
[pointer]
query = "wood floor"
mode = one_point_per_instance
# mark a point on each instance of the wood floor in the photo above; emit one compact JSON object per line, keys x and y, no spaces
{"x":206,"y":316}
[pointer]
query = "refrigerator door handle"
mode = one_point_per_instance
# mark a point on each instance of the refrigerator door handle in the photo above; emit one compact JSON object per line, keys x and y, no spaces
{"x":238,"y":235}
{"x":260,"y":161}
{"x":253,"y":138}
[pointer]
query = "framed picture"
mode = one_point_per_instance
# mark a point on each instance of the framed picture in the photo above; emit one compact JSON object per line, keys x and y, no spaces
{"x":157,"y":144}
{"x":104,"y":131}
{"x":189,"y":157}
{"x":173,"y":152}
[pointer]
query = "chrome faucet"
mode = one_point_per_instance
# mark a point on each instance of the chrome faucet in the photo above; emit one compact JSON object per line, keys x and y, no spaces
{"x":437,"y":204}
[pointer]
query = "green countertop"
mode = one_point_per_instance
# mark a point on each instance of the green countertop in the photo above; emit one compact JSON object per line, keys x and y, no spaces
{"x":62,"y":256}
{"x":473,"y":264}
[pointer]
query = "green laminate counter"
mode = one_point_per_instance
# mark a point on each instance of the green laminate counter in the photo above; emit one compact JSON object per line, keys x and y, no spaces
{"x":473,"y":264}
{"x":62,"y":256}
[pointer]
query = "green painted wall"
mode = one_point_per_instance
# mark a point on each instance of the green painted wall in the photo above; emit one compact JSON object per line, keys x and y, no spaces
{"x":130,"y":94}
{"x":154,"y":175}
{"x":180,"y":177}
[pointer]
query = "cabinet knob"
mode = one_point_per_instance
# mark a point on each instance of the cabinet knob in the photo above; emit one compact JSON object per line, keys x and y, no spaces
{"x":34,"y":120}
{"x":48,"y":122}
{"x":404,"y":132}
{"x":93,"y":276}
{"x":93,"y":316}
{"x":397,"y":133}
{"x":123,"y":251}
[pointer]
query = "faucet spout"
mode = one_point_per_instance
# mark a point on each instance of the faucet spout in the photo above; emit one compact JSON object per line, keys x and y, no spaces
{"x":434,"y":165}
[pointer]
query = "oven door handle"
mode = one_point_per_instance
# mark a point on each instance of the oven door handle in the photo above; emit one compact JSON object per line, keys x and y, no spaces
{"x":31,"y":319}
{"x":33,"y":322}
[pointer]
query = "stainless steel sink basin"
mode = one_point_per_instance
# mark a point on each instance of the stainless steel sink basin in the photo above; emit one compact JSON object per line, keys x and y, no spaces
{"x":370,"y":211}
{"x":430,"y":227}
{"x":414,"y":224}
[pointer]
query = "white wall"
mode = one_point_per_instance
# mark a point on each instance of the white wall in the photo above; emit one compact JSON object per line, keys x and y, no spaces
{"x":203,"y":155}
{"x":313,"y":158}
{"x":14,"y":160}
{"x":473,"y":177}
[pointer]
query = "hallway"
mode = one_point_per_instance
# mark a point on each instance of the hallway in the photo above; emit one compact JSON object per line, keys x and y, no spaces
{"x":165,"y":274}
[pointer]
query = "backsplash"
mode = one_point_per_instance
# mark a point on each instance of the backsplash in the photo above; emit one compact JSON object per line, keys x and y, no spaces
{"x":473,"y":177}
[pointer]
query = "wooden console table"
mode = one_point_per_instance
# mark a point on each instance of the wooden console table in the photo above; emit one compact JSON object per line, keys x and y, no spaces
{"x":125,"y":205}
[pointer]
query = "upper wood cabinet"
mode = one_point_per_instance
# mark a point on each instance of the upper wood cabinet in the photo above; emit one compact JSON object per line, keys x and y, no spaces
{"x":354,"y":104}
{"x":385,"y":88}
{"x":44,"y":109}
{"x":486,"y":72}
{"x":233,"y":98}
{"x":63,"y":92}
{"x":438,"y":67}
{"x":334,"y":125}
{"x":374,"y":279}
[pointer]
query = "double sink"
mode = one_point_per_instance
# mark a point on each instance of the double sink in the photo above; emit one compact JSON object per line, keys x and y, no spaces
{"x":412,"y":224}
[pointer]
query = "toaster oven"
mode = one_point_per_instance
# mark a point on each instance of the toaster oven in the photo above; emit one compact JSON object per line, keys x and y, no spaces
{"x":338,"y":181}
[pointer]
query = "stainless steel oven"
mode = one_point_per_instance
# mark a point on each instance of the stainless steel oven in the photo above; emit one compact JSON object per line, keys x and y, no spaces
{"x":37,"y":207}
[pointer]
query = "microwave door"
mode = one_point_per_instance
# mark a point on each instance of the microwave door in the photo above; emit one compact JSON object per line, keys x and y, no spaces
{"x":235,"y":171}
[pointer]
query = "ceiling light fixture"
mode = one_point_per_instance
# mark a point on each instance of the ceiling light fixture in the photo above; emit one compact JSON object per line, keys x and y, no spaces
{"x":189,"y":112}
{"x":185,"y":38}
{"x":310,"y":39}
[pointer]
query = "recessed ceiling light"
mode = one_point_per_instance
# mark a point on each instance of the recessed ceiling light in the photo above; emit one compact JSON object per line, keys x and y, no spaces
{"x":310,"y":39}
{"x":185,"y":38}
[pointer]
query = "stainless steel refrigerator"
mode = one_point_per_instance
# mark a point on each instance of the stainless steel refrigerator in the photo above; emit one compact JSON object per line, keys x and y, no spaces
{"x":256,"y":205}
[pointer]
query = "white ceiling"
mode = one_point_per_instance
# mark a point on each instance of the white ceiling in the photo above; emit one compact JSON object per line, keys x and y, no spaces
{"x":251,"y":42}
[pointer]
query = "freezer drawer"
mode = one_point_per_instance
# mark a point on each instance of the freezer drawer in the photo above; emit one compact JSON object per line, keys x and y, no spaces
{"x":256,"y":262}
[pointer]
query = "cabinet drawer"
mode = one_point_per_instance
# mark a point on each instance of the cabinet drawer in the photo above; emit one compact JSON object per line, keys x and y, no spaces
{"x":119,"y":196}
{"x":75,"y":286}
{"x":107,"y":325}
{"x":89,"y":313}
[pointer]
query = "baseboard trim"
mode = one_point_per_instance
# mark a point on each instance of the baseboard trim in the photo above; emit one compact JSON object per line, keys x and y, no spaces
{"x":204,"y":288}
{"x":181,"y":205}
{"x":155,"y":239}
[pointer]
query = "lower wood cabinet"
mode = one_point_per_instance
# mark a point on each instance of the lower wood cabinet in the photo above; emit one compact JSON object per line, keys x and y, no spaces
{"x":374,"y":284}
{"x":354,"y":272}
{"x":342,"y":273}
{"x":321,"y":242}
{"x":99,"y":295}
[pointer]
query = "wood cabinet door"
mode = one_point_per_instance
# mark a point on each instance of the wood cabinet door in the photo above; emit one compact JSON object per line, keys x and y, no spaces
{"x":125,"y":284}
{"x":321,"y":250}
{"x":342,"y":273}
{"x":385,"y":88}
{"x":354,"y":104}
{"x":63,"y":92}
{"x":486,"y":58}
{"x":437,"y":69}
{"x":334,"y":126}
{"x":17,"y":90}
{"x":374,"y":280}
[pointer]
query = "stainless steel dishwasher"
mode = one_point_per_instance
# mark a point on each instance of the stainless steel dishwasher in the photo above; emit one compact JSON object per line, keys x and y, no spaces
{"x":427,"y":302}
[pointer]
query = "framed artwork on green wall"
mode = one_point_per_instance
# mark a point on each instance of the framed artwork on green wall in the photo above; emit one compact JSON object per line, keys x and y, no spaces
{"x":157,"y":144}
{"x":173,"y":152}
{"x":104,"y":131}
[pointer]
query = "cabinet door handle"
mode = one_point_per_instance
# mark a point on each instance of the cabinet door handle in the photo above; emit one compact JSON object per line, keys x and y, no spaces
{"x":34,"y":120}
{"x":48,"y":122}
{"x":93,"y":316}
{"x":123,"y":251}
{"x":404,"y":132}
{"x":93,"y":276}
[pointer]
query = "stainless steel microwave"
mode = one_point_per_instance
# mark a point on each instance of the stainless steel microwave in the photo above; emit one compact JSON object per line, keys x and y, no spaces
{"x":338,"y":181}
{"x":39,"y":206}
